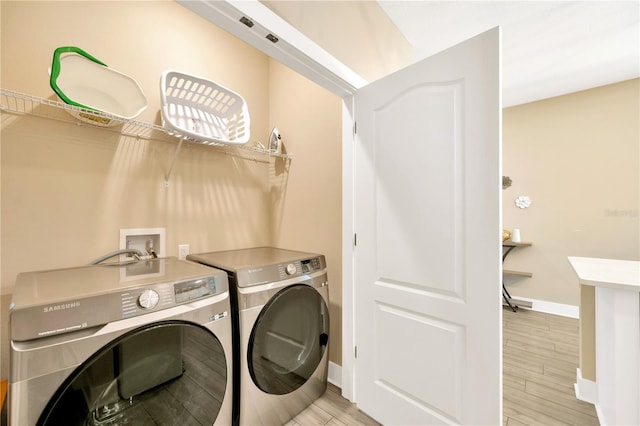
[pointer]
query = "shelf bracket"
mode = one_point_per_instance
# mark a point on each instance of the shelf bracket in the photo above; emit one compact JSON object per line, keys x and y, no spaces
{"x":173,"y":163}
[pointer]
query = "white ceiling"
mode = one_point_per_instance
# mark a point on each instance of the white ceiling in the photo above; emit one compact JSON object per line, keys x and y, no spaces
{"x":549,"y":48}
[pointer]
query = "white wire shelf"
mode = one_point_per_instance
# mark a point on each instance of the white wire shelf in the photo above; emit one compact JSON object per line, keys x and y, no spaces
{"x":20,"y":103}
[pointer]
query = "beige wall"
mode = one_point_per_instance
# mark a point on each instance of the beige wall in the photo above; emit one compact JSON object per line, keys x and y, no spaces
{"x":578,"y":158}
{"x":308,"y":216}
{"x":67,"y":189}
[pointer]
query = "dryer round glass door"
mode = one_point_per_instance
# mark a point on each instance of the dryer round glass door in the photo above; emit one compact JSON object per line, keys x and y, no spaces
{"x":288,"y":340}
{"x":165,"y":373}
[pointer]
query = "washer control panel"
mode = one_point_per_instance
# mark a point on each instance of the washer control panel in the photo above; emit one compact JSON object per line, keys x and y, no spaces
{"x":195,"y":289}
{"x":137,"y":301}
{"x":53,"y":302}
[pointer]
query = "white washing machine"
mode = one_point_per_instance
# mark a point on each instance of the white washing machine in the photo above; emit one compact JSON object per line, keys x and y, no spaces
{"x":147,"y":343}
{"x":282,"y":300}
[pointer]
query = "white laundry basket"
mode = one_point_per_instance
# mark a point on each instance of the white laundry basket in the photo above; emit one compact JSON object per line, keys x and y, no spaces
{"x":203,"y":111}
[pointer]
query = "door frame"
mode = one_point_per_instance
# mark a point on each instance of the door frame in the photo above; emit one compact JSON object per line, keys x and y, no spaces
{"x":299,"y":53}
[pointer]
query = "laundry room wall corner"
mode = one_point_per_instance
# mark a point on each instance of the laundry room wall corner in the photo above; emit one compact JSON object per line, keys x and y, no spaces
{"x":363,"y":38}
{"x":308,"y":216}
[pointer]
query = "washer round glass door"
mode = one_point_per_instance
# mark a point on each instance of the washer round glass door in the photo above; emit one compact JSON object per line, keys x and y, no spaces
{"x":165,"y":373}
{"x":288,"y":339}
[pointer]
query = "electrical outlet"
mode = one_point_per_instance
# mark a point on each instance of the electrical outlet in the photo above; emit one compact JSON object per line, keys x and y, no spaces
{"x":144,"y":240}
{"x":183,"y":251}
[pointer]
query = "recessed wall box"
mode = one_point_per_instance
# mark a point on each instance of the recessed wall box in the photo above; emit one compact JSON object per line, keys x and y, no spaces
{"x":145,"y":240}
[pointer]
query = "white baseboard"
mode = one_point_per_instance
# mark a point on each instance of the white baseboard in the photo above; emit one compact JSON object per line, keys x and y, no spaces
{"x":335,"y":374}
{"x":600,"y":415}
{"x":561,"y":309}
{"x":586,"y":390}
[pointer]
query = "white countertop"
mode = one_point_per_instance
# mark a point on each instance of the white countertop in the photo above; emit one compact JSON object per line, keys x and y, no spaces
{"x":611,"y":273}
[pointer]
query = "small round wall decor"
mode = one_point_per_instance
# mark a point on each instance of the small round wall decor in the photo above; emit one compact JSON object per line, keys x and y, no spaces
{"x":523,"y":201}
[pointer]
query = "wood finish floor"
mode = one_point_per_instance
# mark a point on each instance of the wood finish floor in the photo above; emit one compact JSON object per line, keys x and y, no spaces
{"x":540,"y":357}
{"x":540,"y":354}
{"x":332,"y":409}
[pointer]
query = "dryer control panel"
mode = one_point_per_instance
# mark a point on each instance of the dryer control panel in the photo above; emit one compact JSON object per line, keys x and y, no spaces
{"x":299,"y":267}
{"x":261,"y":265}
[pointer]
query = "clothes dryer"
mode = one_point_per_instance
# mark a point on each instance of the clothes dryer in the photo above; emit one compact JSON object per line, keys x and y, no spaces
{"x":282,"y":327}
{"x":147,"y":343}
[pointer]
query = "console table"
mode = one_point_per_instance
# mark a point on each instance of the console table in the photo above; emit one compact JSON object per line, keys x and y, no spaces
{"x":513,"y":303}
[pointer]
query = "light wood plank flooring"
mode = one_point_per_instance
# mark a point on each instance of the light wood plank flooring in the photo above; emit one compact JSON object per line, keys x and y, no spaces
{"x":540,"y":353}
{"x":540,"y":357}
{"x":332,"y":409}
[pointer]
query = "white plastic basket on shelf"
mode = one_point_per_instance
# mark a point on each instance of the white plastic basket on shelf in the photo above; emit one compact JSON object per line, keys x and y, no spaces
{"x":203,"y":111}
{"x":98,"y":92}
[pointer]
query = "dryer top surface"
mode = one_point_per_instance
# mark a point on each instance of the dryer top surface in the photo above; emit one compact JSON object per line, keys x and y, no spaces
{"x":234,"y":260}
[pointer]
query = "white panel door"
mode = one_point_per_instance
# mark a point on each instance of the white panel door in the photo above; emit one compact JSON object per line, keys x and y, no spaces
{"x":427,"y":259}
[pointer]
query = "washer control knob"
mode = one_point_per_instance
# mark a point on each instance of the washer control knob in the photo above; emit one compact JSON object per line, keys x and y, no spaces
{"x":148,"y":299}
{"x":291,"y":269}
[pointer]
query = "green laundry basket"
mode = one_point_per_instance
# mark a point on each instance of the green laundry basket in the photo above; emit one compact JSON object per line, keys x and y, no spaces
{"x":81,"y":80}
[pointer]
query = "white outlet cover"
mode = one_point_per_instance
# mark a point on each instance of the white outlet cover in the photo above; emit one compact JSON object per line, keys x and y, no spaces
{"x":183,"y":251}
